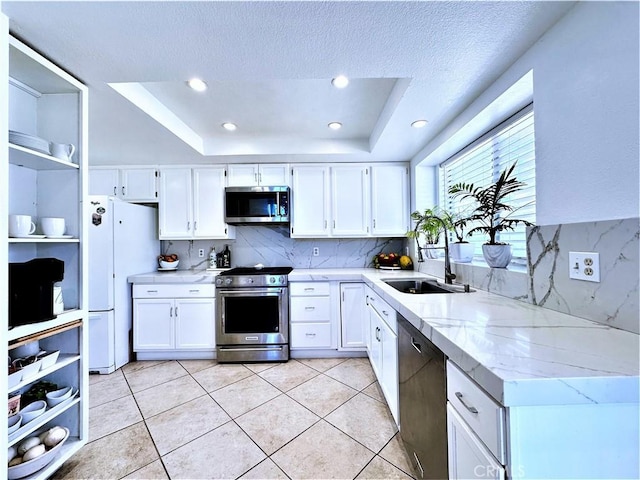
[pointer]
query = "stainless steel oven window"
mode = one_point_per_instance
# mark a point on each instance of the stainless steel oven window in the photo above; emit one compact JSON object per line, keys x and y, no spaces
{"x":247,"y":316}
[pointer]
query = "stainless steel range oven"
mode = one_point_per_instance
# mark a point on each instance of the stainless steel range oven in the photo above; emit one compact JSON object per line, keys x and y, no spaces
{"x":252,"y":315}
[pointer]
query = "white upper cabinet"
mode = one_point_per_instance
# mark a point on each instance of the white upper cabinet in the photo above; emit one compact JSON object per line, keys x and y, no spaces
{"x":208,"y":203}
{"x":133,"y":184}
{"x":104,"y":181}
{"x":350,"y":200}
{"x":389,"y":200}
{"x":310,"y":201}
{"x":191,"y":204}
{"x":175,"y":210}
{"x":251,"y":175}
{"x":139,"y":184}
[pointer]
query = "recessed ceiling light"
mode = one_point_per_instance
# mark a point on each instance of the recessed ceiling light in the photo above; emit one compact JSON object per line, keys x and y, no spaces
{"x":340,"y":81}
{"x":197,"y":84}
{"x":419,"y":123}
{"x":335,"y":125}
{"x":229,"y":126}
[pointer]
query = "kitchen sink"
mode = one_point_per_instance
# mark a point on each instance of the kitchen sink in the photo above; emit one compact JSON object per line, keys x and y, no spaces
{"x":421,"y":287}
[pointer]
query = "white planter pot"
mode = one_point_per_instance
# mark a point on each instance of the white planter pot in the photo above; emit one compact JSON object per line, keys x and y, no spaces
{"x":430,"y":251}
{"x":497,"y":256}
{"x":461,"y":252}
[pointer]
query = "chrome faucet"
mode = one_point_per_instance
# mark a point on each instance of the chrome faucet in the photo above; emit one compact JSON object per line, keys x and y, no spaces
{"x":448,"y":275}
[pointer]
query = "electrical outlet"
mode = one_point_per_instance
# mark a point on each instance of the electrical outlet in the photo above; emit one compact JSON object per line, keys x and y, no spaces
{"x":584,"y":266}
{"x":316,"y":251}
{"x":201,"y":253}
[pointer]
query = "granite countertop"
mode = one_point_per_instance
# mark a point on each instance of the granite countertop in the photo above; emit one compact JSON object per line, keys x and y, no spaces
{"x":521,"y":354}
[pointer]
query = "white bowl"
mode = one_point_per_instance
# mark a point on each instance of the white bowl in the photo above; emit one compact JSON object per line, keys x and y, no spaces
{"x":33,"y":410}
{"x":26,"y":350}
{"x":31,"y":369}
{"x":59,"y":396}
{"x":14,"y":423}
{"x":49,"y":359}
{"x":169,"y":265}
{"x":27,"y":468}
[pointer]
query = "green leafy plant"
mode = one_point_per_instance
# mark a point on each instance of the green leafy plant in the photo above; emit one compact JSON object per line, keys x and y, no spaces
{"x":456,"y":223}
{"x":491,"y":211}
{"x":426,"y":225}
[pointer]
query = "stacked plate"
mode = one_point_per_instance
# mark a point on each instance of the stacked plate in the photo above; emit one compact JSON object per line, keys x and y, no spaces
{"x":29,"y":141}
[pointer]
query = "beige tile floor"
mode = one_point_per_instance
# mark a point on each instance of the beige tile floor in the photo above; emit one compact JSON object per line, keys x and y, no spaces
{"x":304,"y":419}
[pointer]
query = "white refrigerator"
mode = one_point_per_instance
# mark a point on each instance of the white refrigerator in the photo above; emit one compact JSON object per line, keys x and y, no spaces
{"x":123,"y":241}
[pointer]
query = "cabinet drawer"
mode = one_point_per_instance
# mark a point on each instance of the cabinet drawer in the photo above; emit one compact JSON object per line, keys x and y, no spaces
{"x":174,"y":291}
{"x":483,"y":414}
{"x":386,"y":312}
{"x":310,"y":309}
{"x":308,"y":288}
{"x":310,"y":335}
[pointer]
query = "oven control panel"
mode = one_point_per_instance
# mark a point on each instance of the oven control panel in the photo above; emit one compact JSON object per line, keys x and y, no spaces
{"x":240,"y":281}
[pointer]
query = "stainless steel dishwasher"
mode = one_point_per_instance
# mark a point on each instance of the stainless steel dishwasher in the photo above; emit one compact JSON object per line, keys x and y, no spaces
{"x":423,"y":402}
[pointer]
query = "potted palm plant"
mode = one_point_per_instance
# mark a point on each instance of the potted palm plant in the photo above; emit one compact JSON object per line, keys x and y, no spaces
{"x":460,"y":251}
{"x":492,"y":214}
{"x":429,"y":227}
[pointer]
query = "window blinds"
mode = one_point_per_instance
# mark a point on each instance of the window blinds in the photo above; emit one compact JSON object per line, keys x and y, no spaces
{"x":482,"y":161}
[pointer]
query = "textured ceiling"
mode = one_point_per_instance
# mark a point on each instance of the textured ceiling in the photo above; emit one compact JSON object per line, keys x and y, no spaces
{"x":269,"y":64}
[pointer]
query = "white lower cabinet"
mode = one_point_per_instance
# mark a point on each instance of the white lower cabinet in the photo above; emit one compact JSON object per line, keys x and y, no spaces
{"x":169,"y":319}
{"x":468,"y":457}
{"x":354,"y":318}
{"x":311,"y":322}
{"x":382,"y":348}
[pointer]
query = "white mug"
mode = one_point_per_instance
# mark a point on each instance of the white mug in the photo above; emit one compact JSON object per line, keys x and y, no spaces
{"x":63,"y":151}
{"x":20,"y":225}
{"x":52,"y":226}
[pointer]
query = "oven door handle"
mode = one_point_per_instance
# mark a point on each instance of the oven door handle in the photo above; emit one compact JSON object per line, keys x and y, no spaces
{"x":252,"y":349}
{"x":245,"y":292}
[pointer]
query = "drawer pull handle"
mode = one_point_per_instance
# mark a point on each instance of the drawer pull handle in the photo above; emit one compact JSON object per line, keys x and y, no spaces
{"x":417,"y":346}
{"x":309,"y":308}
{"x":309,"y":289}
{"x":310,"y":334}
{"x":471,"y":408}
{"x":372,"y":299}
{"x":194,"y":291}
{"x":386,"y":314}
{"x":152,"y":291}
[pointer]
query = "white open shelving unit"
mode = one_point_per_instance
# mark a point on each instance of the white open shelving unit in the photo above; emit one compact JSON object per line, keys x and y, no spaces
{"x":47,"y":102}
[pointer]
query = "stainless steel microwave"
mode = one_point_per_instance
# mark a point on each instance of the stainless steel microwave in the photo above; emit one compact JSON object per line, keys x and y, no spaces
{"x":258,"y":205}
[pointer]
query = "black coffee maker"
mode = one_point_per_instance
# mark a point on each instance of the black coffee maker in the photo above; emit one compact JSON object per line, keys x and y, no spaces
{"x":31,"y":290}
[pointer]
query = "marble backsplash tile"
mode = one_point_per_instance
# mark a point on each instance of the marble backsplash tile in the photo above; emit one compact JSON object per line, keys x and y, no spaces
{"x":272,"y":245}
{"x":614,"y":301}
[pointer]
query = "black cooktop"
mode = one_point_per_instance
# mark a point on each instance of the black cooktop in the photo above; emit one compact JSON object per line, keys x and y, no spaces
{"x":258,"y":271}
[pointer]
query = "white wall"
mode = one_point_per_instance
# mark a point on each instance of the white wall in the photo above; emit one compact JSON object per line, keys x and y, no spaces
{"x":585,"y":71}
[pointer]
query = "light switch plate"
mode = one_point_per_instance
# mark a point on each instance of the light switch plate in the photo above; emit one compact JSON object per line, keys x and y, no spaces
{"x":584,"y":266}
